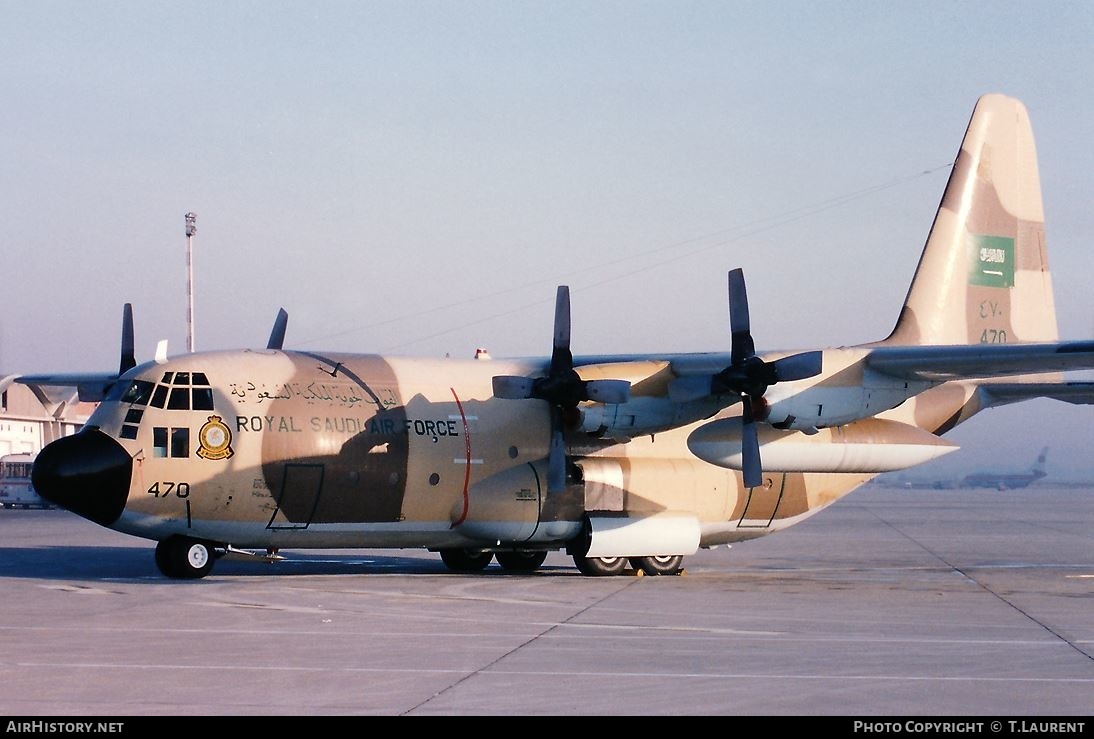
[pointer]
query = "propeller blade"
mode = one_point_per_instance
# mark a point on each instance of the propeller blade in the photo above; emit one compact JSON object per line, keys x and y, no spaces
{"x":798,"y":366}
{"x":556,"y":457}
{"x":608,"y":391}
{"x":277,"y":335}
{"x":561,"y":358}
{"x":128,"y":358}
{"x":510,"y":387}
{"x":739,"y":324}
{"x":750,"y":447}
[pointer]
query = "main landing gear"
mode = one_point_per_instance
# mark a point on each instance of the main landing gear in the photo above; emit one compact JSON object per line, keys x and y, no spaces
{"x":475,"y":560}
{"x":603,"y":566}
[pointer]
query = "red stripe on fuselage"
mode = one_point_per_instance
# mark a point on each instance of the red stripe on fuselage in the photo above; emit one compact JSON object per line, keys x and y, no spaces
{"x":467,"y":466}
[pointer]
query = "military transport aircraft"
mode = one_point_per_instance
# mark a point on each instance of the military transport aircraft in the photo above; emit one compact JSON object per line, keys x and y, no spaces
{"x":635,"y":460}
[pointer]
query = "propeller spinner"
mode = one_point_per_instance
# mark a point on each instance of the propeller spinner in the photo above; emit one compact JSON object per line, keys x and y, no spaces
{"x":562,"y":388}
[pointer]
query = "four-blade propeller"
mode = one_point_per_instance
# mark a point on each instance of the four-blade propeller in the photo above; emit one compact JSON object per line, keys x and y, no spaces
{"x":747,"y":376}
{"x":562,"y":388}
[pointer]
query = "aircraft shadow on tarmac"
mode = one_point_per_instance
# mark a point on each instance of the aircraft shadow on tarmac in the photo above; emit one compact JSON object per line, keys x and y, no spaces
{"x":98,"y":563}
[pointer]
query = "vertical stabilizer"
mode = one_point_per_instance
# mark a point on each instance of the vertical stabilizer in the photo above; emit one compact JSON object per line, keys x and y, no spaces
{"x":1039,"y":467}
{"x":983,"y":276}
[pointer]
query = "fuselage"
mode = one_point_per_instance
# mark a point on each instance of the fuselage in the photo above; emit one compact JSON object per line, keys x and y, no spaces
{"x":281,"y":449}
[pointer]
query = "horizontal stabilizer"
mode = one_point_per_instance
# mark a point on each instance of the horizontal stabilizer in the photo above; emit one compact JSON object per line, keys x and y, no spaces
{"x":1076,"y":393}
{"x":938,"y":363}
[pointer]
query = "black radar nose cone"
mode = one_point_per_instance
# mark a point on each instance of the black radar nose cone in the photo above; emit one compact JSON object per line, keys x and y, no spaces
{"x":87,"y":473}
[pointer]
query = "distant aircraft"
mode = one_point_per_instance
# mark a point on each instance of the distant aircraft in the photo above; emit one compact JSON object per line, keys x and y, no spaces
{"x":635,"y":460}
{"x":1007,"y":480}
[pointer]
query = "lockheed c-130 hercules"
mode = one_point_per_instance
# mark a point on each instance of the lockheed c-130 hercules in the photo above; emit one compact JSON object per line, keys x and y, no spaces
{"x":635,"y":460}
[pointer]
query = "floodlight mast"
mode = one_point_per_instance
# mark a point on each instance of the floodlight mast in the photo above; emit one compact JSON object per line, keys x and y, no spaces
{"x":191,"y":229}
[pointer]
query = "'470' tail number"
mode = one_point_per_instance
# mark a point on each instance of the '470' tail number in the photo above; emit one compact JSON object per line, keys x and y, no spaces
{"x":165,"y":489}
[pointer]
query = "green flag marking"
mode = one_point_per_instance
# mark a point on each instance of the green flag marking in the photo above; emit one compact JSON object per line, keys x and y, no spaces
{"x":991,"y":261}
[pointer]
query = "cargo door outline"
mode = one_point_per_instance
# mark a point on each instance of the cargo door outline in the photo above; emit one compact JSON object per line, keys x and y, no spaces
{"x":301,"y":486}
{"x":759,"y":498}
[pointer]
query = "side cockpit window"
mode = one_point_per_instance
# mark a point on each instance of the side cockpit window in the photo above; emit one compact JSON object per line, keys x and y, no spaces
{"x":134,"y":391}
{"x":138,"y":392}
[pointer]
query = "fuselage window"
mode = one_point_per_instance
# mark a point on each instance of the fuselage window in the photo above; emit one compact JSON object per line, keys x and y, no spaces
{"x":129,"y":431}
{"x":178,"y":438}
{"x":159,"y":442}
{"x":180,"y":442}
{"x":133,"y":415}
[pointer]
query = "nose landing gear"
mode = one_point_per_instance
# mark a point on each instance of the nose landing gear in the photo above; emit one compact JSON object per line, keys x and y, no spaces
{"x":183,"y":558}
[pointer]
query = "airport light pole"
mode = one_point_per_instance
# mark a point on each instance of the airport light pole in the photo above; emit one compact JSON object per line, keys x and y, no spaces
{"x":191,"y":229}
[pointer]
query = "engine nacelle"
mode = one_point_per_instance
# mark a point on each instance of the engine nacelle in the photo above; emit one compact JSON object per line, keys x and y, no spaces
{"x":643,"y":416}
{"x":507,"y":507}
{"x":825,"y":404}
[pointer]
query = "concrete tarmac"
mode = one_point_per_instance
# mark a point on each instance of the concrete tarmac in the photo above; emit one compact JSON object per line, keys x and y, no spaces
{"x":891,"y":602}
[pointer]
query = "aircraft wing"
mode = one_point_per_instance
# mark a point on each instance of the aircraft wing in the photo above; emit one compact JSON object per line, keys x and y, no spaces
{"x":961,"y":362}
{"x":920,"y":363}
{"x":89,"y":386}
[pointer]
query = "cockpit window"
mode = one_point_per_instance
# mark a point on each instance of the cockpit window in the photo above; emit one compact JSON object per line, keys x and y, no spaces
{"x":179,"y":400}
{"x":138,"y":392}
{"x":203,"y":399}
{"x":177,"y":391}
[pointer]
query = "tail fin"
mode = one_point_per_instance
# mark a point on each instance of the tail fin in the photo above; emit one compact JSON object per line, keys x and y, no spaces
{"x":1039,"y":467}
{"x":983,"y":276}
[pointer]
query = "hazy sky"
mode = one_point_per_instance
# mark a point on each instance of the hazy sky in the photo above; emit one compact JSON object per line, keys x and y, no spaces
{"x":417,"y":177}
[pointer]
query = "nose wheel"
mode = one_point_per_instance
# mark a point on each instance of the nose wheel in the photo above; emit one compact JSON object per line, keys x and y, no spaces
{"x":183,"y":558}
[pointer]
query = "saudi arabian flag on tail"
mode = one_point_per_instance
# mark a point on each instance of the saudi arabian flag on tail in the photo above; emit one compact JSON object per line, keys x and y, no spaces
{"x":991,"y":261}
